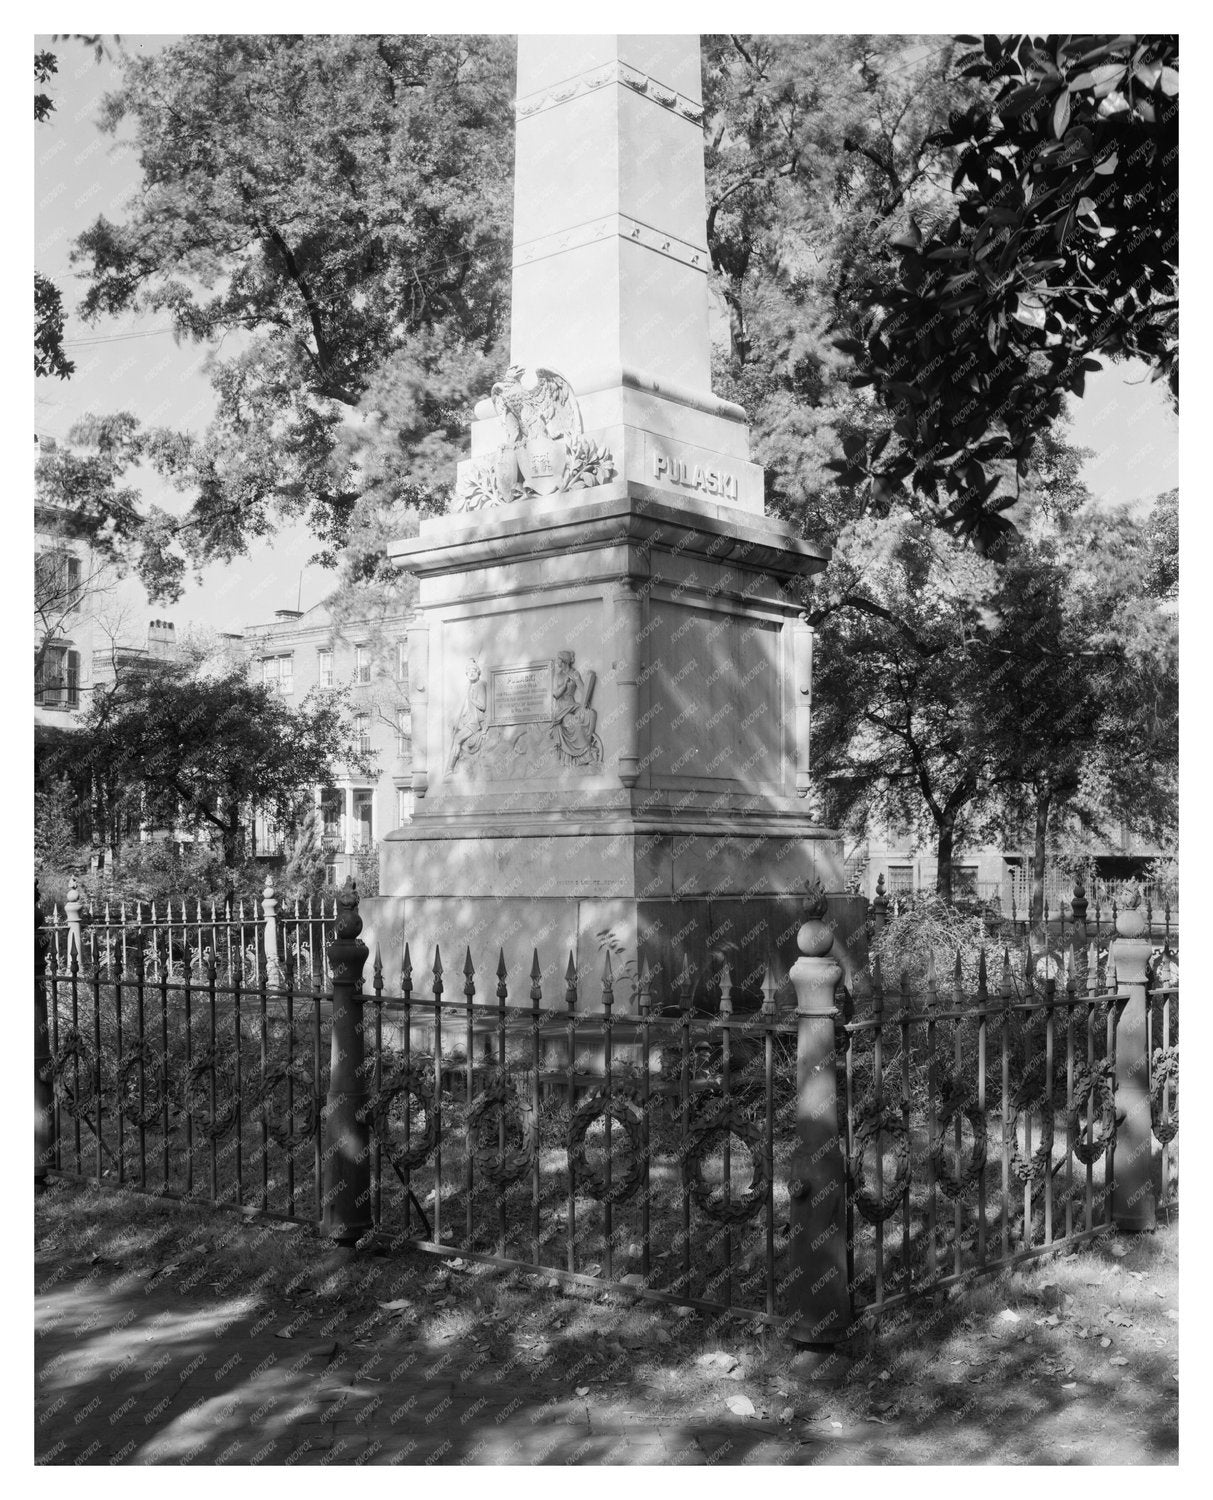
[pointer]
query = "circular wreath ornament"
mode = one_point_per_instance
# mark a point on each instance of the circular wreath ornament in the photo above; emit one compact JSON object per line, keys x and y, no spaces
{"x":72,"y":1050}
{"x":624,"y":1109}
{"x":152,"y":1109}
{"x":1097,"y":1082}
{"x":1023,"y":1101}
{"x":197,"y":1094}
{"x":1164,"y":1069}
{"x":700,"y":1141}
{"x":413,"y":1085}
{"x":301,"y":1121}
{"x":958,"y":1099}
{"x":499,"y":1164}
{"x":870,"y":1124}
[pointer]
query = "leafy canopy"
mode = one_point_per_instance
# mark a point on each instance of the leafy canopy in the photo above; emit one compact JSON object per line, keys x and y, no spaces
{"x":1062,"y":244}
{"x":336,"y":210}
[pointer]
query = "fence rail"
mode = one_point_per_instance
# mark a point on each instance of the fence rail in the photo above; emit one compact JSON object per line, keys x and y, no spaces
{"x":800,"y":1167}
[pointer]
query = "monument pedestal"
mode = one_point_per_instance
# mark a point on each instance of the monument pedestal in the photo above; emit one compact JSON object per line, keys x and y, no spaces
{"x":610,"y":702}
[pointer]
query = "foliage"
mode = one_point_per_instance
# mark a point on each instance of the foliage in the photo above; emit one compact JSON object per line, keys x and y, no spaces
{"x":1062,"y":244}
{"x":49,"y":358}
{"x":1003,"y":695}
{"x":203,"y":746}
{"x":818,"y":148}
{"x":925,"y":927}
{"x":336,"y":208}
{"x":56,"y":846}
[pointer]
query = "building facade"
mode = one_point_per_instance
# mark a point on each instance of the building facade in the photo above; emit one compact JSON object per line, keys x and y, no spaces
{"x":299,"y":652}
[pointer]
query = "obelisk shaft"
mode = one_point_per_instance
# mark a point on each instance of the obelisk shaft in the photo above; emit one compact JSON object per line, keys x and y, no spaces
{"x":610,"y":256}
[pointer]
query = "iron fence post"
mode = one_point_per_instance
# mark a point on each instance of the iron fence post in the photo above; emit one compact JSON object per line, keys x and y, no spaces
{"x":1132,"y":1185}
{"x":44,"y":1102}
{"x":878,"y":909}
{"x":347,"y":1154}
{"x":819,"y":1294}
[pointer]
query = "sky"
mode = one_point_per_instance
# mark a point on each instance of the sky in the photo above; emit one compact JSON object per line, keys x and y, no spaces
{"x":133,"y":363}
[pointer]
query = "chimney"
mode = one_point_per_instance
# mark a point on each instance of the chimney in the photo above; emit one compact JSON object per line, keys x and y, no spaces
{"x":288,"y":614}
{"x":161,"y":640}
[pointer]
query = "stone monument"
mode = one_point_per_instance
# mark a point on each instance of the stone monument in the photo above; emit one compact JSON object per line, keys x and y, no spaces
{"x":609,"y":670}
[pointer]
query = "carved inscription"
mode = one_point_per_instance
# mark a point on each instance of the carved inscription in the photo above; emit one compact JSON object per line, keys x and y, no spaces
{"x":694,"y":476}
{"x":522,"y":695}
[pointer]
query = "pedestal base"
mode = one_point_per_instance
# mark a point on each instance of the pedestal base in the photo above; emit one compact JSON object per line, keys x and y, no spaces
{"x":682,"y":900}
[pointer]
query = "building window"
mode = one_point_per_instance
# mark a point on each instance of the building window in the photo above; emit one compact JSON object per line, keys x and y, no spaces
{"x":402,"y":661}
{"x":278,"y":672}
{"x":901,"y":880}
{"x":330,"y":873}
{"x":331,"y":809}
{"x":964,"y":880}
{"x":57,"y":679}
{"x":403,"y":742}
{"x":362,"y":733}
{"x":58,"y":578}
{"x":362,"y":664}
{"x":324,"y":661}
{"x":404,"y":807}
{"x":364,"y":818}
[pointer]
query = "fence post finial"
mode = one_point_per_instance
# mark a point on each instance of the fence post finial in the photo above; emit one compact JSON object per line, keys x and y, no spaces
{"x":879,"y":911}
{"x":72,"y":908}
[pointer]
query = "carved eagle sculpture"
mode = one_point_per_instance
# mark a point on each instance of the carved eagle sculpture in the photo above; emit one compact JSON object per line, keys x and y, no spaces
{"x":535,"y":404}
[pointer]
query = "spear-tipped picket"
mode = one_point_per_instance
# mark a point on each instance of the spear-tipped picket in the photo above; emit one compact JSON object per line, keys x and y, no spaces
{"x":502,"y":988}
{"x":983,"y":979}
{"x":406,"y":973}
{"x":958,"y":981}
{"x":932,"y":980}
{"x":570,"y":983}
{"x":377,"y":973}
{"x":768,"y":989}
{"x":437,"y":971}
{"x":644,"y":989}
{"x":469,"y":978}
{"x":608,"y":984}
{"x":536,"y":979}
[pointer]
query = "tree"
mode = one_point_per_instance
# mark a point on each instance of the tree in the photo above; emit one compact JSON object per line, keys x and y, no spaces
{"x":1061,"y":245}
{"x":336,"y":208}
{"x":203,"y":747}
{"x":1005,"y":696}
{"x":49,"y":358}
{"x":897,"y":697}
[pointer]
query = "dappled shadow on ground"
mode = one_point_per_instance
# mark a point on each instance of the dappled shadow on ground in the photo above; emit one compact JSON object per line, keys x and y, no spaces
{"x":170,"y":1335}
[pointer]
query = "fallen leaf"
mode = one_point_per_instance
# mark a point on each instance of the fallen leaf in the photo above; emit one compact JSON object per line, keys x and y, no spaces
{"x":1118,"y":1249}
{"x":398,"y":1304}
{"x":836,"y":1424}
{"x":1173,"y":1315}
{"x":787,"y":1413}
{"x":1070,"y":1385}
{"x":1007,"y":1316}
{"x":582,"y":1390}
{"x":1118,"y":1359}
{"x":1105,"y":1342}
{"x":740,"y":1406}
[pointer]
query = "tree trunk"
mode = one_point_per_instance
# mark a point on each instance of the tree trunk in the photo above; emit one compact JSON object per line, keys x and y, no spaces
{"x":1036,"y":912}
{"x":943,"y":851}
{"x":233,"y":843}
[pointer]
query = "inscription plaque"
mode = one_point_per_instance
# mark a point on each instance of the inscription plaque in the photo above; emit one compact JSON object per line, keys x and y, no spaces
{"x":522,"y":695}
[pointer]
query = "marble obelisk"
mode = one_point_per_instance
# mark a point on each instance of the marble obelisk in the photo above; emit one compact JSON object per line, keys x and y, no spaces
{"x":609,"y":674}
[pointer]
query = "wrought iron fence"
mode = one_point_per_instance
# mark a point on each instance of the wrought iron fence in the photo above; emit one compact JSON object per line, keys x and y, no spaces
{"x":1026,"y":1069}
{"x":596,"y":1126}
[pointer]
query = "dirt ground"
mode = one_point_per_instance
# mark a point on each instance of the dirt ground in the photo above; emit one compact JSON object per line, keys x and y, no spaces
{"x":172,"y":1334}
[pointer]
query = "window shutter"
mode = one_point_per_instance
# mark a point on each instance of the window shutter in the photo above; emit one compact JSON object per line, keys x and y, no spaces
{"x":39,"y":680}
{"x":73,"y":674}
